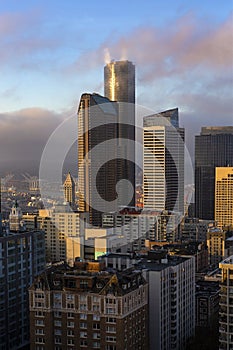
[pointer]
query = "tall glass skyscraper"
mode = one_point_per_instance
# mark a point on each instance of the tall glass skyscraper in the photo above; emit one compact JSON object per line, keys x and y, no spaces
{"x":119,"y":85}
{"x":213,"y":148}
{"x":97,"y":145}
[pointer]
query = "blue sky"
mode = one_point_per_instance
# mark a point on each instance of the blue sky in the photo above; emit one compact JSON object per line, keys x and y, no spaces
{"x":53,"y":51}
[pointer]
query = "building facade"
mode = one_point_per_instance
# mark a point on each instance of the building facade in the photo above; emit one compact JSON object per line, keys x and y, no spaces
{"x":226,"y":305}
{"x":216,"y":245}
{"x":224,"y":197}
{"x":69,"y":190}
{"x":163,"y":162}
{"x":82,"y":308}
{"x":64,"y":233}
{"x":97,"y":149}
{"x":171,"y":301}
{"x":213,"y":148}
{"x":22,"y":258}
{"x":119,"y":85}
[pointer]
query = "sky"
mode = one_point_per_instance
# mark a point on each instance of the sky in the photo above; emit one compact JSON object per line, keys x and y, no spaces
{"x":53,"y":51}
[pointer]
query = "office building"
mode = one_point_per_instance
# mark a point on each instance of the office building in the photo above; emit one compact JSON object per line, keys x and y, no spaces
{"x":216,"y":245}
{"x":213,"y":148}
{"x":22,"y":258}
{"x":171,"y":301}
{"x":119,"y":85}
{"x":69,"y":190}
{"x":224,"y":197}
{"x":84,"y":308}
{"x":64,"y":233}
{"x":97,"y":147}
{"x":163,"y":162}
{"x":226,"y":305}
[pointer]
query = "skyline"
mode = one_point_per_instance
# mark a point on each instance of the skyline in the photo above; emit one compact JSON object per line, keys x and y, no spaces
{"x":51,"y":55}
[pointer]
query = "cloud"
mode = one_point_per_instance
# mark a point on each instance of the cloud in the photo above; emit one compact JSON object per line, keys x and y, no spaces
{"x":24,"y":133}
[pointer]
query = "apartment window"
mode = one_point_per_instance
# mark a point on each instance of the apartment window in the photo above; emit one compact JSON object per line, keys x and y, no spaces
{"x":111,"y":320}
{"x":57,"y":323}
{"x":83,"y":307}
{"x":110,"y":310}
{"x":96,"y":345}
{"x":96,"y":307}
{"x":70,"y":332}
{"x":70,"y":297}
{"x":70,"y":306}
{"x":70,"y":324}
{"x":96,"y":317}
{"x":83,"y":334}
{"x":57,"y":340}
{"x":39,"y":331}
{"x":111,"y":329}
{"x":83,"y":343}
{"x":111,"y":339}
{"x":40,"y":314}
{"x":40,"y":340}
{"x":70,"y":315}
{"x":57,"y":313}
{"x":39,"y":322}
{"x":83,"y":316}
{"x":96,"y":335}
{"x":57,"y":331}
{"x":83,"y":325}
{"x":96,"y":326}
{"x":70,"y":341}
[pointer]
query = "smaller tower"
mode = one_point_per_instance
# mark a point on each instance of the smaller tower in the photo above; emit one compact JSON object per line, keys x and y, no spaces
{"x":69,"y":190}
{"x":15,"y":218}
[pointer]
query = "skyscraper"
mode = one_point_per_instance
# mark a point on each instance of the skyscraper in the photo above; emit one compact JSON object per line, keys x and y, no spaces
{"x":213,"y":148}
{"x":97,"y":147}
{"x":163,"y":162}
{"x":69,"y":190}
{"x":119,"y":85}
{"x":224,"y":196}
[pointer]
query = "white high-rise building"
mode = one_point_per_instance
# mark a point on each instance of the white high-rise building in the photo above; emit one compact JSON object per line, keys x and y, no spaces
{"x":171,"y":301}
{"x":163,"y":162}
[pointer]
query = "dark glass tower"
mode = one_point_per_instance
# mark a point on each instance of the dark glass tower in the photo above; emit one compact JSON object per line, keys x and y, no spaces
{"x":213,"y":148}
{"x":119,"y":85}
{"x":97,"y":147}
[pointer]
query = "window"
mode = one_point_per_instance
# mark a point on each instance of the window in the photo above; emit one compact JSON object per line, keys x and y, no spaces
{"x":96,"y":317}
{"x":111,"y":320}
{"x":39,"y":331}
{"x":96,"y":326}
{"x":83,"y":316}
{"x":70,"y":324}
{"x":57,"y":340}
{"x":40,"y":340}
{"x":57,"y":323}
{"x":96,"y":345}
{"x":70,"y":341}
{"x":111,"y":329}
{"x":57,"y":313}
{"x":83,"y":325}
{"x":70,"y":297}
{"x":83,"y":334}
{"x":83,"y":343}
{"x":96,"y":335}
{"x":70,"y":332}
{"x":39,"y":322}
{"x":57,"y":331}
{"x":111,"y":339}
{"x":83,"y":307}
{"x":70,"y":315}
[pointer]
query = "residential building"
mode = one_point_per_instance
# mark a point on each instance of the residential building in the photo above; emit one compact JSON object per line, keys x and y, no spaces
{"x":171,"y":300}
{"x":226,"y":305}
{"x":213,"y":148}
{"x":22,"y":258}
{"x":84,"y":308}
